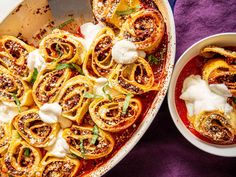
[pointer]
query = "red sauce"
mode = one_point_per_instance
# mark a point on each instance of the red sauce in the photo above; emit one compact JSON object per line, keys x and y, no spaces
{"x":193,"y":67}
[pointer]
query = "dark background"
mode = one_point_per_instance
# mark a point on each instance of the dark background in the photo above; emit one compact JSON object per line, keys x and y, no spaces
{"x":164,"y":152}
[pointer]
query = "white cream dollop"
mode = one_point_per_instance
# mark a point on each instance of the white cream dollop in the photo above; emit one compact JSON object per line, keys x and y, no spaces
{"x":50,"y":112}
{"x":60,"y":147}
{"x":199,"y":96}
{"x":89,"y":31}
{"x":125,"y":52}
{"x":7,"y":112}
{"x":35,"y":60}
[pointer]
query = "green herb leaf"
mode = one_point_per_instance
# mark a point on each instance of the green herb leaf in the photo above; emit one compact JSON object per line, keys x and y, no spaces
{"x":104,"y":91}
{"x":73,"y":156}
{"x":69,"y":65}
{"x":90,"y":95}
{"x":34,"y":76}
{"x":58,"y":50}
{"x":65,"y":23}
{"x":82,"y":148}
{"x":126,"y":103}
{"x":17,"y":101}
{"x":95,"y":134}
{"x":153,"y":60}
{"x":78,"y":68}
{"x":128,"y":11}
{"x":27,"y":152}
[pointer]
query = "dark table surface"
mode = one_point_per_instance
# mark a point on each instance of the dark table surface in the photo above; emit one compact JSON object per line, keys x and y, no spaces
{"x":163,"y":151}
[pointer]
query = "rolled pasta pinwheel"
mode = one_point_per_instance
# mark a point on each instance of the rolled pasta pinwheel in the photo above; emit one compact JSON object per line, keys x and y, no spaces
{"x":211,"y":51}
{"x":5,"y":137}
{"x":12,"y":88}
{"x":71,"y":97}
{"x":62,"y":47}
{"x":53,"y":166}
{"x":88,"y":143}
{"x":135,"y":78}
{"x":215,"y":125}
{"x":13,"y":56}
{"x":217,"y":71}
{"x":99,"y":62}
{"x":33,"y":130}
{"x":145,"y":29}
{"x":109,"y":115}
{"x":49,"y":83}
{"x":21,"y":158}
{"x":114,"y":11}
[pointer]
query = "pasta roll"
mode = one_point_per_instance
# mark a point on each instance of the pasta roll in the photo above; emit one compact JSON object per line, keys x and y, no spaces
{"x":135,"y":78}
{"x":62,"y":47}
{"x":53,"y":166}
{"x":13,"y":56}
{"x":71,"y":97}
{"x":33,"y":130}
{"x":109,"y":114}
{"x":217,"y":71}
{"x":214,"y":125}
{"x":99,"y":62}
{"x":81,"y":142}
{"x":5,"y":137}
{"x":12,"y":88}
{"x":49,"y":83}
{"x":21,"y":159}
{"x":145,"y":28}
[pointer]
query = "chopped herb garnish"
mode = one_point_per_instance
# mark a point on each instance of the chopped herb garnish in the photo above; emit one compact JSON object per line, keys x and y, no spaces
{"x":126,"y":103}
{"x":153,"y":60}
{"x":90,"y":95}
{"x":95,"y":134}
{"x":58,"y":50}
{"x":17,"y":101}
{"x":104,"y":91}
{"x":65,"y":23}
{"x":27,"y":152}
{"x":34,"y":76}
{"x":82,"y":148}
{"x":69,"y":65}
{"x":128,"y":11}
{"x":73,"y":156}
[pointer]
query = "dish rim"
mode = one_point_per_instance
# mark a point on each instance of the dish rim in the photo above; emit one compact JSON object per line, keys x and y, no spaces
{"x":215,"y":149}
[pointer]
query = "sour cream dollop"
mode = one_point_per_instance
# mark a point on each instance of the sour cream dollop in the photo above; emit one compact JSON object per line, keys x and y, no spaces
{"x":35,"y":60}
{"x":60,"y":147}
{"x":125,"y":52}
{"x":50,"y":112}
{"x":89,"y":31}
{"x":199,"y":96}
{"x":7,"y":112}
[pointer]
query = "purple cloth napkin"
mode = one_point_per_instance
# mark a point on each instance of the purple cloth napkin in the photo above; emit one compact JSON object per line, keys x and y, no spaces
{"x":163,"y":151}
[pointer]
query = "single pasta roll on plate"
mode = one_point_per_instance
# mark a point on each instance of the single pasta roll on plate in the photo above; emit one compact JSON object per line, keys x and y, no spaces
{"x":117,"y":114}
{"x":136,"y":78}
{"x":215,"y":125}
{"x":13,"y":56}
{"x":62,"y":47}
{"x":145,"y":29}
{"x":21,"y":158}
{"x":33,"y":130}
{"x":99,"y":62}
{"x":71,"y":97}
{"x":88,"y":142}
